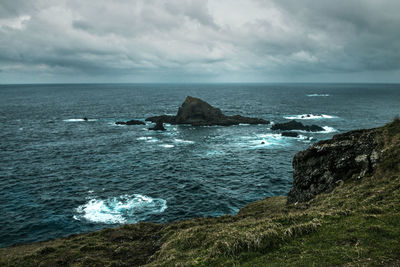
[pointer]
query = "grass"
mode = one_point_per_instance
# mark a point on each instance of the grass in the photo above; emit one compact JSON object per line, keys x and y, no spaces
{"x":358,"y":224}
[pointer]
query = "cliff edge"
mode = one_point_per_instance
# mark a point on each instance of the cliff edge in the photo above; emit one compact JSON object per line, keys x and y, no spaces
{"x":324,"y":165}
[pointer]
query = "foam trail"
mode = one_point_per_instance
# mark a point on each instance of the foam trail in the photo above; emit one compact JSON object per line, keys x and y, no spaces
{"x":313,"y":95}
{"x":167,"y":145}
{"x":122,"y":209}
{"x":310,"y":117}
{"x":181,"y":141}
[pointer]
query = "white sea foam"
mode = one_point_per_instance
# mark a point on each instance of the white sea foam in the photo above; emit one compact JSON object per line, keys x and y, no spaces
{"x":167,"y":145}
{"x":270,"y":140}
{"x":145,"y":138}
{"x":313,"y":95}
{"x":310,"y":117}
{"x":76,"y":120}
{"x":122,"y":209}
{"x":181,"y":141}
{"x":302,"y":137}
{"x":328,"y":129}
{"x":148,"y":139}
{"x":265,"y":140}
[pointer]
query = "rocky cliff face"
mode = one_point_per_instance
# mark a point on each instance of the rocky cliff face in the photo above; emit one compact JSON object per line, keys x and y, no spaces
{"x":321,"y":167}
{"x":197,"y":112}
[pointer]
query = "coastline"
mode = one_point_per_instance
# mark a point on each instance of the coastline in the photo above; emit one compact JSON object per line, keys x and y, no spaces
{"x":354,"y":223}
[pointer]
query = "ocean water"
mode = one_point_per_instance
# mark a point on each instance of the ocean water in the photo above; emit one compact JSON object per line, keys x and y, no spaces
{"x":61,"y":175}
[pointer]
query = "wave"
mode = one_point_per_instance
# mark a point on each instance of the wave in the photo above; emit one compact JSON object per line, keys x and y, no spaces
{"x":310,"y":117}
{"x":122,"y":209}
{"x":181,"y":141}
{"x":313,"y":95}
{"x":148,"y":139}
{"x":264,"y":140}
{"x":328,"y":129}
{"x":272,"y":140}
{"x":167,"y":145}
{"x":76,"y":120}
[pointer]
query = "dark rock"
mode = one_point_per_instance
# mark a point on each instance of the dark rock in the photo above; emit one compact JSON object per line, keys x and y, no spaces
{"x":158,"y":127}
{"x":135,"y":122}
{"x":164,"y":118}
{"x":131,"y":122}
{"x":197,"y":112}
{"x":323,"y":166}
{"x":294,"y":125}
{"x":85,"y":119}
{"x":290,"y":134}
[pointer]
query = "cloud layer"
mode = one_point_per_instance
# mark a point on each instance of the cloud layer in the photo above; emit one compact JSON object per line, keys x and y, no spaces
{"x":199,"y":41}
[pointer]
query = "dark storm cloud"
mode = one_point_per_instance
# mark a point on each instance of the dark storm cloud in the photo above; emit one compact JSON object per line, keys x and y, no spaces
{"x":366,"y":32}
{"x":222,"y":40}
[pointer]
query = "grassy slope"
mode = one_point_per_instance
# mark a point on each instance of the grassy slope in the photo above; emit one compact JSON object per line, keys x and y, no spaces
{"x":356,"y":224}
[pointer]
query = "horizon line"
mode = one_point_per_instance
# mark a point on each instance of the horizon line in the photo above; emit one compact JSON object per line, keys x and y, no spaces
{"x":183,"y":83}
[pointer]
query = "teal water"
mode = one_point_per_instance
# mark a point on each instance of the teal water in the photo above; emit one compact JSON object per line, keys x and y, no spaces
{"x":60,"y":175}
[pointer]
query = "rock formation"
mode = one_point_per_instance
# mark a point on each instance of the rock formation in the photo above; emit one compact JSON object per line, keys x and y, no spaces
{"x":197,"y":112}
{"x":322,"y":166}
{"x":164,"y":118}
{"x":131,"y":122}
{"x":294,"y":125}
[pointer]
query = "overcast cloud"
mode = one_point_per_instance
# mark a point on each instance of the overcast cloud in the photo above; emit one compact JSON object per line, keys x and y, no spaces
{"x":199,"y":41}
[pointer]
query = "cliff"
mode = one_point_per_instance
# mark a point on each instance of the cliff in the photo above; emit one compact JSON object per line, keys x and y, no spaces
{"x":197,"y":112}
{"x":324,"y":165}
{"x":343,"y":209}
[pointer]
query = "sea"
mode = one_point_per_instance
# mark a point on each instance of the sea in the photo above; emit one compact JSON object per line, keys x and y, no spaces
{"x":62,"y":175}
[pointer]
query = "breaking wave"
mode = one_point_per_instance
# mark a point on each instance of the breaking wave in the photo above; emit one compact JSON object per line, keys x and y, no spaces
{"x":77,"y":120}
{"x":313,"y":95}
{"x":122,"y":209}
{"x":310,"y":117}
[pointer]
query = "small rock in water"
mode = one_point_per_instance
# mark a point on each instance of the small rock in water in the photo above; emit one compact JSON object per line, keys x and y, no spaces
{"x":158,"y":127}
{"x":85,"y":119}
{"x":294,"y":125}
{"x":131,"y":122}
{"x":289,"y":134}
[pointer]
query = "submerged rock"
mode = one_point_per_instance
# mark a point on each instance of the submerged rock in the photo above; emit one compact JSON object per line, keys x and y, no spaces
{"x":321,"y":167}
{"x":158,"y":127}
{"x":131,"y":122}
{"x":197,"y":112}
{"x":294,"y":125}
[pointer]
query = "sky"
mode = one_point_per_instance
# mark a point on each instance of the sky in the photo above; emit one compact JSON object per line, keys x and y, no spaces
{"x":183,"y":41}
